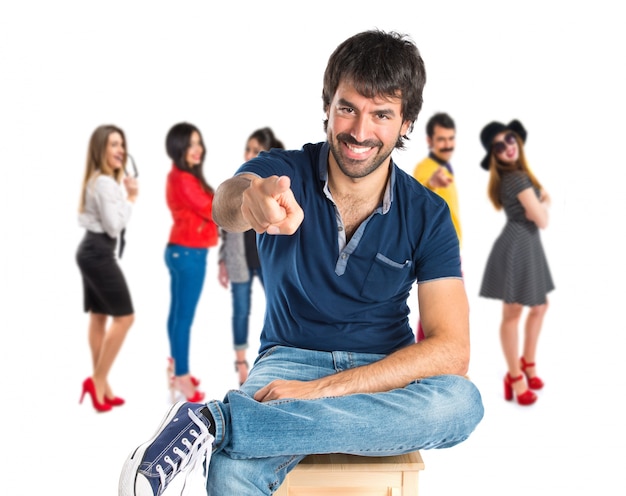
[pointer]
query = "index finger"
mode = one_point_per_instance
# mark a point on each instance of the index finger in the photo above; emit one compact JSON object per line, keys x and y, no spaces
{"x":270,"y":206}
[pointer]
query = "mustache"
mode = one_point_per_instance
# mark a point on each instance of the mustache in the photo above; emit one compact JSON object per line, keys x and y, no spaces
{"x":347,"y":138}
{"x":446,"y":150}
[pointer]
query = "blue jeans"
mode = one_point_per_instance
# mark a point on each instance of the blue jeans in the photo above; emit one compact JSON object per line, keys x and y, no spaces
{"x":242,"y":296}
{"x":257,"y":444}
{"x":187,"y":267}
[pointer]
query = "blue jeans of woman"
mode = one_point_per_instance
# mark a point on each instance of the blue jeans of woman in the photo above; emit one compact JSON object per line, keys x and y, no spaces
{"x":257,"y":444}
{"x":242,"y":297}
{"x":187,"y":267}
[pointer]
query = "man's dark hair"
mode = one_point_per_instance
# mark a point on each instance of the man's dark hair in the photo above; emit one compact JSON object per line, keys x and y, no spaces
{"x":377,"y":63}
{"x":440,"y":119}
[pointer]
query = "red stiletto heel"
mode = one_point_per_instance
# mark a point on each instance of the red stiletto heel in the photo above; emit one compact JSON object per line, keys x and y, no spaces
{"x":170,"y":372}
{"x":196,"y":397}
{"x":524,"y":399}
{"x":533,"y":382}
{"x":115,"y":401}
{"x":90,"y":388}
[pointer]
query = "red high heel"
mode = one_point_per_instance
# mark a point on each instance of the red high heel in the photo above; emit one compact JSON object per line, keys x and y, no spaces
{"x":90,"y":387}
{"x":115,"y":401}
{"x":196,"y":397}
{"x":524,"y":399}
{"x":533,"y":382}
{"x":170,"y":372}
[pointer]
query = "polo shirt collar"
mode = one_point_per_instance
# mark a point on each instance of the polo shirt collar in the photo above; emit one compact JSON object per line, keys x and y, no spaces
{"x":323,"y":176}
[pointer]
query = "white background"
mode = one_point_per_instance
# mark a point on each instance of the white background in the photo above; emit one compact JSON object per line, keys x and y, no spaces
{"x":69,"y":66}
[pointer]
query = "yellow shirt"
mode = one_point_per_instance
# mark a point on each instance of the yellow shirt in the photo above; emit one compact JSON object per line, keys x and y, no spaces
{"x":423,"y":172}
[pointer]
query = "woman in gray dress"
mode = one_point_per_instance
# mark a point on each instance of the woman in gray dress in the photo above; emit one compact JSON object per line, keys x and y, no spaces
{"x":239,"y":262}
{"x":517,"y":271}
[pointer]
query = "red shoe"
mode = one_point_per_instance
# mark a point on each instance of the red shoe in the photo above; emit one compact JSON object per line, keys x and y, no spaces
{"x":115,"y":401}
{"x":90,"y":387}
{"x":197,"y":397}
{"x":533,"y":382}
{"x":524,"y":399}
{"x":170,"y":372}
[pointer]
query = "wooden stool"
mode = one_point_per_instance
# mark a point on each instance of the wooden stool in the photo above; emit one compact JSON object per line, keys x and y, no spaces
{"x":351,"y":475}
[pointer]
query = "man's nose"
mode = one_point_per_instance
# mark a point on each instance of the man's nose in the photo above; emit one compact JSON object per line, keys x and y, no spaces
{"x":361,"y":128}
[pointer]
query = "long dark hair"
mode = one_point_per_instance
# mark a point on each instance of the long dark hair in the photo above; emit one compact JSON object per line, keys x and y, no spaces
{"x":266,"y":138}
{"x":177,"y":143}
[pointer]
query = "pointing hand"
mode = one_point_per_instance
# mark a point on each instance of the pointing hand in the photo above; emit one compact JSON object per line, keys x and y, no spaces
{"x":269,"y":206}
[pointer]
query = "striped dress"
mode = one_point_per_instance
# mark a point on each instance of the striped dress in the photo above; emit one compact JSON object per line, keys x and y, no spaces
{"x":517,"y":270}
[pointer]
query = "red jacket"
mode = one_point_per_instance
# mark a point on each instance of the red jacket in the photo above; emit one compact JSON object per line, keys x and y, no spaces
{"x":191,"y":208}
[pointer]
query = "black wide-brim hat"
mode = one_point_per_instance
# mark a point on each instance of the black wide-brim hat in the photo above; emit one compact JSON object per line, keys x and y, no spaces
{"x":491,"y":130}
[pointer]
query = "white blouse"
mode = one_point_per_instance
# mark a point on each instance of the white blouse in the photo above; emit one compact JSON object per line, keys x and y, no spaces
{"x":106,"y":207}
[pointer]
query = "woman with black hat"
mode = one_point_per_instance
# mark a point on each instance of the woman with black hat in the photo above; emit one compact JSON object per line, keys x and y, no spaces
{"x":517,"y":271}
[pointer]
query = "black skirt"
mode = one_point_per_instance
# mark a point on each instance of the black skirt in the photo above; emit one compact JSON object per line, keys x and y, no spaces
{"x":104,"y":286}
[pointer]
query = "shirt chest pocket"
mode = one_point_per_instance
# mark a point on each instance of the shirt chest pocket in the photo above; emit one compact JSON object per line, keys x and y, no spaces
{"x":385,"y":278}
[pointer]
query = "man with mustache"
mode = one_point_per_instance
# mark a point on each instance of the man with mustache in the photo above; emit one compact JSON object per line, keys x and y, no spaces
{"x":435,"y":171}
{"x":343,"y":234}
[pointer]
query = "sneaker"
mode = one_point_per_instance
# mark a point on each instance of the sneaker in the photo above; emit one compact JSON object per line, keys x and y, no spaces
{"x":181,"y":443}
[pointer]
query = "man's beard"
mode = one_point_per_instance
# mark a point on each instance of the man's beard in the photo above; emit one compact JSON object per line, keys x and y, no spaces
{"x":358,"y":168}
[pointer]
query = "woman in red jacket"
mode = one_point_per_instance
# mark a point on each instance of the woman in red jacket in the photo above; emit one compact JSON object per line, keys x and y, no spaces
{"x":189,"y":198}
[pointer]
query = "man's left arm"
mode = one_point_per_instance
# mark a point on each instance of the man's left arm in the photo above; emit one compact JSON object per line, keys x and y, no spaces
{"x":444,"y":312}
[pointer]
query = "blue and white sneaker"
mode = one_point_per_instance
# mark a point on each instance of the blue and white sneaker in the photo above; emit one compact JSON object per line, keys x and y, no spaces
{"x":182,"y":443}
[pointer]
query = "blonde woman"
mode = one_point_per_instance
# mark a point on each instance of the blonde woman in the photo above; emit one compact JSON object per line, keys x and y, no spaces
{"x":105,"y":209}
{"x":517,"y":271}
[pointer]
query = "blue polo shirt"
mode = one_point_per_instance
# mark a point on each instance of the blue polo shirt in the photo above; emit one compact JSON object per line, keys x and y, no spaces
{"x":323,"y":294}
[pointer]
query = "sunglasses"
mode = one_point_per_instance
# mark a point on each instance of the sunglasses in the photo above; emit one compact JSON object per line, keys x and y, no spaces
{"x":132,"y":163}
{"x":500,"y":146}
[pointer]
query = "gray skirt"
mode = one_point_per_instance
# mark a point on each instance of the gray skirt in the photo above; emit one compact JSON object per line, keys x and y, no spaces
{"x":517,"y":270}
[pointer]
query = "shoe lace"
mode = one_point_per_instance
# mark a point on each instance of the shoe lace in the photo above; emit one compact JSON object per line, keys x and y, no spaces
{"x":194,"y":456}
